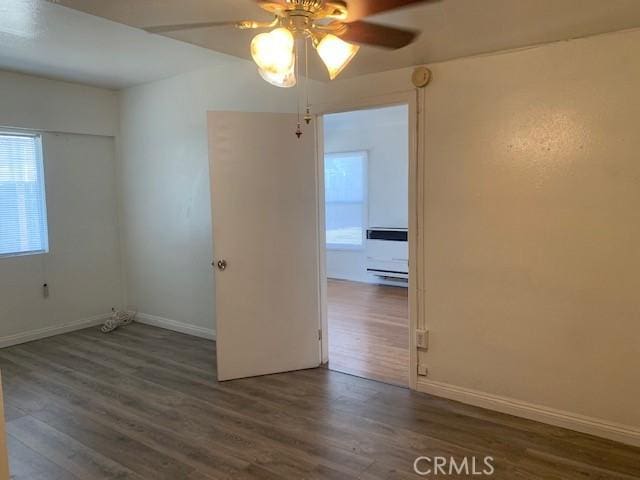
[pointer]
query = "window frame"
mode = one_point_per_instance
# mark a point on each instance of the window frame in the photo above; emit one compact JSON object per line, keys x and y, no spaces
{"x":364,"y":154}
{"x":41,"y":179}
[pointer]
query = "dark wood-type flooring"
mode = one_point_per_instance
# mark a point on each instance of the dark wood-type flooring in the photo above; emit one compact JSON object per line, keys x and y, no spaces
{"x":369,"y":331}
{"x":143,"y":403}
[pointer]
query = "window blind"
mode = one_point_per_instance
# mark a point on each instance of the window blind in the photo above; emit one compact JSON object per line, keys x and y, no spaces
{"x":23,"y":222}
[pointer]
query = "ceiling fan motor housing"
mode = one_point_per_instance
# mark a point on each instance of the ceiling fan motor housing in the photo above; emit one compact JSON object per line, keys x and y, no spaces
{"x":313,"y":9}
{"x":310,"y":5}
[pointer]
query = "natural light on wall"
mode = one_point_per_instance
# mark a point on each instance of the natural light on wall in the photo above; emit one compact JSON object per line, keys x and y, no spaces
{"x":23,"y":217}
{"x":345,"y":199}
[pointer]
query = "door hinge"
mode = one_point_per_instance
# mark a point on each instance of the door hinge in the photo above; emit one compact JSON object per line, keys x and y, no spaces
{"x":320,"y":334}
{"x":422,"y":339}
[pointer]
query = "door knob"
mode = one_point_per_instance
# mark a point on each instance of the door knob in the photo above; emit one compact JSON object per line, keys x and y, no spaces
{"x":222,"y":265}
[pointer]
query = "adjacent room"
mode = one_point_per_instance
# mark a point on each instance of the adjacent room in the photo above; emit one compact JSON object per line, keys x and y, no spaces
{"x":319,"y":239}
{"x":366,"y":178}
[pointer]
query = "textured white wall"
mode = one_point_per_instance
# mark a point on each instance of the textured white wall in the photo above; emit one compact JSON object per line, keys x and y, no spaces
{"x":531,"y":218}
{"x":82,"y":268}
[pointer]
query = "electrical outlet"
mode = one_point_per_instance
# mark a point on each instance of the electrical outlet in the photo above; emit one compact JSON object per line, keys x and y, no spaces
{"x":422,"y":339}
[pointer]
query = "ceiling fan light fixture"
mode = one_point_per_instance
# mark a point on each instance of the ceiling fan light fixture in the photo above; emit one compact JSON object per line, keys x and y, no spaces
{"x":336,"y":54}
{"x":273,"y":53}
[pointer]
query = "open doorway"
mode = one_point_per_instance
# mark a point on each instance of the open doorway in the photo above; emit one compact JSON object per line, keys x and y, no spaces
{"x":366,"y":205}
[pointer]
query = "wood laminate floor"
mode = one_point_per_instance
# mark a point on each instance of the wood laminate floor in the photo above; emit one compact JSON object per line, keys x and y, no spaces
{"x":369,"y":331}
{"x":143,"y":403}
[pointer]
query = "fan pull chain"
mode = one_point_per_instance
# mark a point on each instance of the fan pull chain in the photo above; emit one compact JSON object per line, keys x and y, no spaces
{"x":307,"y":116}
{"x":298,"y":99}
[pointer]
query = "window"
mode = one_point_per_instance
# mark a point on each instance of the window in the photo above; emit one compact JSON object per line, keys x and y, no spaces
{"x":23,"y":217}
{"x":345,"y":197}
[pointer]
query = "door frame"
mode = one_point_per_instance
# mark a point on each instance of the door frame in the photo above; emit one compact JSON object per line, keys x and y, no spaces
{"x":414,"y":99}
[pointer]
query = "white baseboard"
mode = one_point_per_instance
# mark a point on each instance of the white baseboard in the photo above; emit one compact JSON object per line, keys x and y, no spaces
{"x":176,"y":326}
{"x":580,"y":423}
{"x":32,"y":335}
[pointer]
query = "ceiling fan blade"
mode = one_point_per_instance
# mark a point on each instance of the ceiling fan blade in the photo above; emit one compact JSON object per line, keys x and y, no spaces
{"x":187,"y":26}
{"x":378,"y":35}
{"x":363,"y":8}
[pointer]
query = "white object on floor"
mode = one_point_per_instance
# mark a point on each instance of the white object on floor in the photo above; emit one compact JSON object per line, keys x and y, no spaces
{"x":118,"y":318}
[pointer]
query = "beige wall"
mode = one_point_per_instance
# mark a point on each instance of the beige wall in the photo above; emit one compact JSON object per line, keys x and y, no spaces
{"x":532,"y":226}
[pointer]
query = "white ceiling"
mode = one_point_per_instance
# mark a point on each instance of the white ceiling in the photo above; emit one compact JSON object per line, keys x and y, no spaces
{"x":40,"y":38}
{"x":51,"y":40}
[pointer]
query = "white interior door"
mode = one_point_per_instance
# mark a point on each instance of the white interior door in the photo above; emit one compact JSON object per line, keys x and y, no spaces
{"x":264,"y":209}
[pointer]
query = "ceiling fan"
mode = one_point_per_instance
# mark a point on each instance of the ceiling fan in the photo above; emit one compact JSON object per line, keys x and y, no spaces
{"x":328,"y":25}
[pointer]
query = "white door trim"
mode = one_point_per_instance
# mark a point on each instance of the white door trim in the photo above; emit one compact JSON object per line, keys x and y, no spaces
{"x":415,"y":100}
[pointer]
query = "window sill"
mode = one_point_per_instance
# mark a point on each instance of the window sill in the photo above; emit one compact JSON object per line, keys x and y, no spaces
{"x":23,"y":254}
